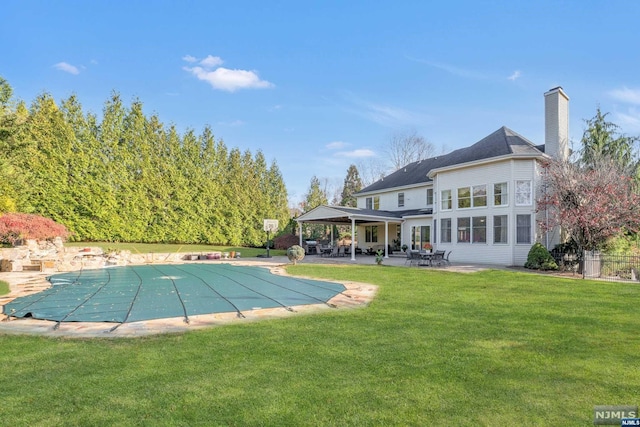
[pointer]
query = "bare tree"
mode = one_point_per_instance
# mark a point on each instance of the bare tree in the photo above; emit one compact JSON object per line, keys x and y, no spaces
{"x":371,"y":169}
{"x":407,"y":147}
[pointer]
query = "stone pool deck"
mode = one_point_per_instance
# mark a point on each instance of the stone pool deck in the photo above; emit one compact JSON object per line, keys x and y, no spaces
{"x":29,"y":282}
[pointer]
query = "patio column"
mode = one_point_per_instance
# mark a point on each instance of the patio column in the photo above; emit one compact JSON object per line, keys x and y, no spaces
{"x":300,"y":232}
{"x":353,"y":239}
{"x":386,"y":239}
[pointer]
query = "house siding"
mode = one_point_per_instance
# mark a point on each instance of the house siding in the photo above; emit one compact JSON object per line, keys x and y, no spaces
{"x":507,"y":171}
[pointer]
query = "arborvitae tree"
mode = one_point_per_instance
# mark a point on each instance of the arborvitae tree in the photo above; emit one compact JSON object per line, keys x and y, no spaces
{"x":109,"y":135}
{"x":315,"y":196}
{"x":211,"y":195}
{"x":46,"y":160}
{"x":352,"y":184}
{"x":86,"y":175}
{"x":8,"y":172}
{"x":128,"y":178}
{"x":277,"y":194}
{"x":235,"y":199}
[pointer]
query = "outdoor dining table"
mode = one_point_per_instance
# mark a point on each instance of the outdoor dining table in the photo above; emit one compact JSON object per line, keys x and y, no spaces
{"x":426,"y":257}
{"x":325,"y":251}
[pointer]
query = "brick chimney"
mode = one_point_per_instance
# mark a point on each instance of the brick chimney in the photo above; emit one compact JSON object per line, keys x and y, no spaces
{"x":556,"y":124}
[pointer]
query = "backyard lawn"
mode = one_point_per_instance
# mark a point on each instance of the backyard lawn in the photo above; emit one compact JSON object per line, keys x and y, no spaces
{"x":434,"y":348}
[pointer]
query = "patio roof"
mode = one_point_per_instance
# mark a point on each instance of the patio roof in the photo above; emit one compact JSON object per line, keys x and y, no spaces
{"x":345,"y":215}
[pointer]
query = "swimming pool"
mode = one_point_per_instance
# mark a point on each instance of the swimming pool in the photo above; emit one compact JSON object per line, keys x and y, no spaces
{"x":146,"y":292}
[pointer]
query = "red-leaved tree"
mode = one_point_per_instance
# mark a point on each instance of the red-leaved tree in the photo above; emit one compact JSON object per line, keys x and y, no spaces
{"x":590,"y":203}
{"x":19,"y":226}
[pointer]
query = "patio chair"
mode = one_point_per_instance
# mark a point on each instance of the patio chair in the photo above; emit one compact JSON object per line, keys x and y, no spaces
{"x":413,"y":257}
{"x":438,"y":257}
{"x":334,"y":251}
{"x":446,"y":258}
{"x":341,"y":251}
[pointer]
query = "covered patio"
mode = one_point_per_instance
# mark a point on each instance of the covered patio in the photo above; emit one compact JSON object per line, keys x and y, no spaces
{"x":354,"y":217}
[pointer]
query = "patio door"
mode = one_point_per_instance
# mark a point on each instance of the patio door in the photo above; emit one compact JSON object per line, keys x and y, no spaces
{"x":419,"y":236}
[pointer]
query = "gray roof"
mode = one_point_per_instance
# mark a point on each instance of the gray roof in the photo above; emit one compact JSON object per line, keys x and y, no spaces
{"x":502,"y":142}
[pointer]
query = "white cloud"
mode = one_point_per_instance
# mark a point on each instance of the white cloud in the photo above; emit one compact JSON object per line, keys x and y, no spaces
{"x":390,"y":116}
{"x":630,"y":121}
{"x":336,"y":145}
{"x":189,"y":58}
{"x":225,"y":78}
{"x":67,"y":68}
{"x":211,"y":61}
{"x":516,"y":74}
{"x":631,"y":96}
{"x":359,"y":153}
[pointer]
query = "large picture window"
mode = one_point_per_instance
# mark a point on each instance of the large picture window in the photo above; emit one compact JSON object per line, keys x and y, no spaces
{"x":445,"y":197}
{"x":445,"y":230}
{"x":500,"y":229}
{"x":523,"y":193}
{"x":523,"y":229}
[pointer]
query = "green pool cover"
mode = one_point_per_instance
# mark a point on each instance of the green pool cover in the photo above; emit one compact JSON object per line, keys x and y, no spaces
{"x":135,"y":293}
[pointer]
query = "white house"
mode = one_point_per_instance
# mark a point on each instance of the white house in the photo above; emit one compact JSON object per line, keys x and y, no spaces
{"x":478,"y":202}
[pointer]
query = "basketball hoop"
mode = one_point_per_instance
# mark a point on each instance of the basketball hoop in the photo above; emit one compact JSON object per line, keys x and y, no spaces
{"x":270,"y":225}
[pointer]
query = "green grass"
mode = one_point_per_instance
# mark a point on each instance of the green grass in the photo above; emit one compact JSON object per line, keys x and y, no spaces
{"x":434,"y":348}
{"x":4,"y":287}
{"x":145,"y":248}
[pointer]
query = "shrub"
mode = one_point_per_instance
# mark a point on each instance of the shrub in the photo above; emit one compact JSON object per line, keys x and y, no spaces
{"x":285,"y":241}
{"x":540,"y":258}
{"x":295,"y":253}
{"x":20,"y":226}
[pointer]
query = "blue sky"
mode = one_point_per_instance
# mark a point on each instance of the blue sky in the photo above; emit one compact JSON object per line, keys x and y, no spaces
{"x":318,"y":85}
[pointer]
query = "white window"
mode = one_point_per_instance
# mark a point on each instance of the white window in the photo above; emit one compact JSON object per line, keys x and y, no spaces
{"x":464,"y":230}
{"x":479,"y":229}
{"x":445,"y":230}
{"x":500,"y":194}
{"x":373,"y":202}
{"x":371,"y":233}
{"x":429,"y":196}
{"x":464,"y":197}
{"x":479,"y":196}
{"x":500,"y":229}
{"x":523,"y":229}
{"x":400,"y":200}
{"x":523,"y":193}
{"x":446,"y":199}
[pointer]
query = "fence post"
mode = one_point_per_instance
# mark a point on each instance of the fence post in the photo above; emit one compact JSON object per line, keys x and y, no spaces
{"x":592,"y":265}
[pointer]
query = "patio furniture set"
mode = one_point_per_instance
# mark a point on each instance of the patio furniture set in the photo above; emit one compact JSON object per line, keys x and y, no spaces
{"x":424,"y":258}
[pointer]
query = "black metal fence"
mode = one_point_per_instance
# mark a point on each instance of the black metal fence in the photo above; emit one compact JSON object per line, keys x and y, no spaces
{"x":610,"y":267}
